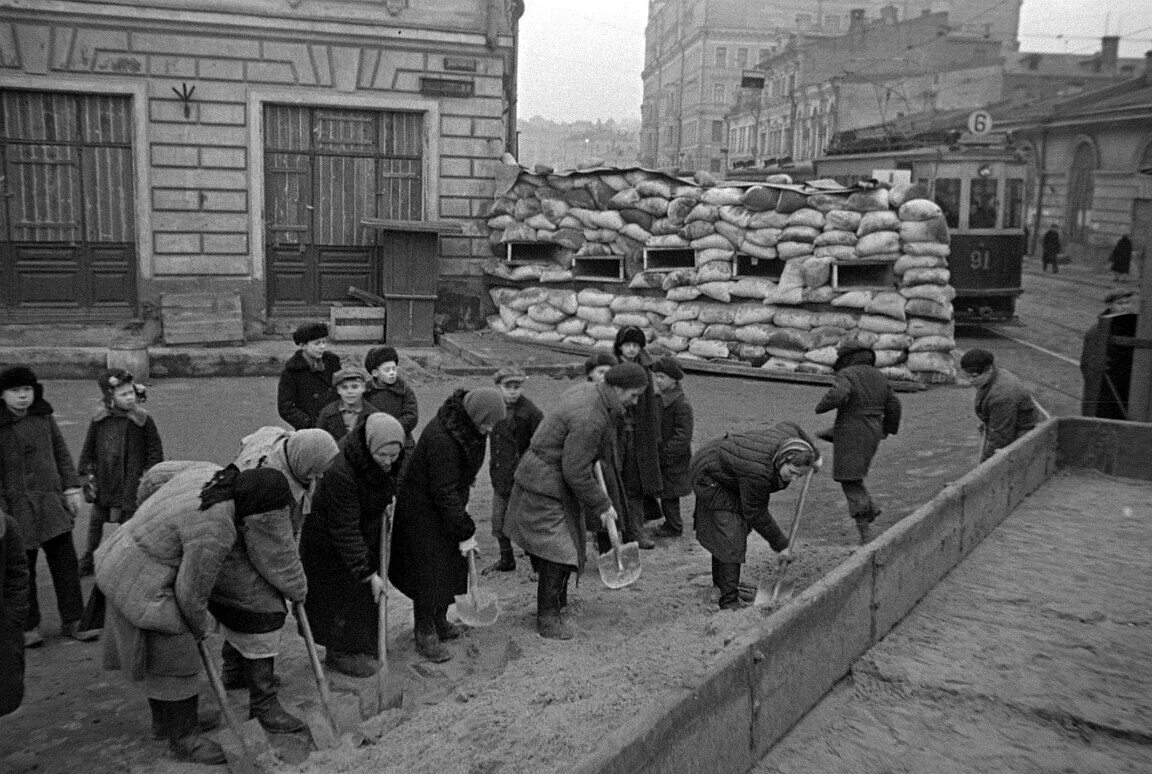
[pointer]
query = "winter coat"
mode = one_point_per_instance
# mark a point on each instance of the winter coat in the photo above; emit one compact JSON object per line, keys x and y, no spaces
{"x":1051,"y":243}
{"x":676,"y":424}
{"x":508,"y":442}
{"x":159,"y":567}
{"x":13,"y":611}
{"x":303,"y":392}
{"x":1006,"y":409}
{"x":556,"y":483}
{"x":35,"y":469}
{"x":733,"y":477}
{"x":642,"y":446}
{"x":331,"y":418}
{"x":340,"y":542}
{"x":119,"y":447}
{"x":398,"y":401}
{"x":1121,"y":260}
{"x":431,"y":507}
{"x":867,"y":411}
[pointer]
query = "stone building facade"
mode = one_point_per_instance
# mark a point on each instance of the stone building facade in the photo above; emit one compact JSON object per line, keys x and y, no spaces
{"x":159,"y":146}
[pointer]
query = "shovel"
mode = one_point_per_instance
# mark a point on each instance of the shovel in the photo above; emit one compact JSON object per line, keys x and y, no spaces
{"x":620,"y":566}
{"x":476,"y":608}
{"x":389,"y":690}
{"x":247,"y":739}
{"x":779,"y":592}
{"x":335,"y":719}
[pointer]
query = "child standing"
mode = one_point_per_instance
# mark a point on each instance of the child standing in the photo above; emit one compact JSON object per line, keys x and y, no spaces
{"x":675,"y":443}
{"x":121,"y":444}
{"x":507,"y":443}
{"x":340,"y":416}
{"x":388,"y":391}
{"x":306,"y":381}
{"x":41,"y":490}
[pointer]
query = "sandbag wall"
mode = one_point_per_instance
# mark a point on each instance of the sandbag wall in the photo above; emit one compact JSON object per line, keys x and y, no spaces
{"x":713,"y":309}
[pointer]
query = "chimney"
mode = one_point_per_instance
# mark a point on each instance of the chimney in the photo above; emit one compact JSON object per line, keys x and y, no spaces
{"x":888,"y":14}
{"x":1148,"y":68}
{"x":856,"y":20}
{"x":1109,"y":53}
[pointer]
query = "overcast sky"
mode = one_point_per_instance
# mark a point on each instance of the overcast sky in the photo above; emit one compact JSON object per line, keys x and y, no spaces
{"x":581,"y":59}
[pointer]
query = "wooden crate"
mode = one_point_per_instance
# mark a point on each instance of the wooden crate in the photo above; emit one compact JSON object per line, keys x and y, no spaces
{"x":357,"y":323}
{"x":202,"y":318}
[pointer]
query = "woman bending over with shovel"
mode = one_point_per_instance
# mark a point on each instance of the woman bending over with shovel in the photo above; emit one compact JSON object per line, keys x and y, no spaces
{"x":556,"y":482}
{"x":433,"y":532}
{"x":733,"y":477}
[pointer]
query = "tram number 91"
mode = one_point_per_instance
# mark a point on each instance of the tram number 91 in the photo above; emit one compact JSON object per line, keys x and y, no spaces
{"x":980,"y":259}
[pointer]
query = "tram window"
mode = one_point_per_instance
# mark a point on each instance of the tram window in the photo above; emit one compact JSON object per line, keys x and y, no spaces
{"x":1014,"y":204}
{"x":982,"y":203}
{"x":948,"y":197}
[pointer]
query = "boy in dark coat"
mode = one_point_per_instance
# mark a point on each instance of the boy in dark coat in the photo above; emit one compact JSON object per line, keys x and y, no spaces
{"x":306,"y":381}
{"x":507,"y":444}
{"x":867,"y":411}
{"x":641,"y":453}
{"x":433,"y":531}
{"x":340,"y":543}
{"x":121,"y":444}
{"x":1004,"y":405}
{"x":13,"y":610}
{"x":733,"y":477}
{"x":388,"y":391}
{"x":39,"y":487}
{"x":1050,"y":249}
{"x":341,"y":415}
{"x":676,"y":423}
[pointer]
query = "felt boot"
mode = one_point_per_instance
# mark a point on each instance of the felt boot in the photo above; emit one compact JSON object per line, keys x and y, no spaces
{"x":428,"y":642}
{"x":262,"y":701}
{"x":728,"y":580}
{"x":184,"y":742}
{"x":233,"y":673}
{"x":445,"y":629}
{"x":206,"y":719}
{"x":549,"y":623}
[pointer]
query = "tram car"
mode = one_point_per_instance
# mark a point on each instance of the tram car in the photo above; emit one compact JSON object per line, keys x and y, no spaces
{"x":981,"y":189}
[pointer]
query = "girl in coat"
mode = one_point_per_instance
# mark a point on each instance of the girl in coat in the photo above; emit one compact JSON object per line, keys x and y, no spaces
{"x":39,"y":488}
{"x":867,"y":411}
{"x":388,"y":391}
{"x":556,"y":486}
{"x":433,"y":531}
{"x":641,"y":454}
{"x":158,"y":572}
{"x":122,"y":442}
{"x":675,"y":443}
{"x":340,"y":544}
{"x":733,"y":477}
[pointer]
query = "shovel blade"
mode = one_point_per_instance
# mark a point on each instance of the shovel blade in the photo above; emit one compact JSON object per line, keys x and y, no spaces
{"x":480,"y":608}
{"x":242,"y":755}
{"x":618,"y":571}
{"x":324,"y":735}
{"x":764,"y":592}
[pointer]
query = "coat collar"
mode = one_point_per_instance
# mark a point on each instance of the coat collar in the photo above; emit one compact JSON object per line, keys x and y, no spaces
{"x":668,"y":397}
{"x":298,"y":362}
{"x":39,"y":408}
{"x":136,"y":414}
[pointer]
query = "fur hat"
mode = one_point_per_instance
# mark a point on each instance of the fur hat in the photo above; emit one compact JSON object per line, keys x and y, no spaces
{"x":17,"y":376}
{"x":378,"y":355}
{"x":485,"y":406}
{"x":627,"y":375}
{"x":976,"y":361}
{"x":310,"y":332}
{"x":349,"y":372}
{"x":631,"y":334}
{"x":669,"y":367}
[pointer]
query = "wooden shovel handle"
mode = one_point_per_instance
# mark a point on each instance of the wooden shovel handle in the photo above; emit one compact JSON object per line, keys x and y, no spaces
{"x":382,"y":603}
{"x":613,"y":533}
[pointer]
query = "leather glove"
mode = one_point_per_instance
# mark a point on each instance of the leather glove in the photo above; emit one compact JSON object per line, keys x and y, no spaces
{"x":469,"y":545}
{"x":377,"y":584}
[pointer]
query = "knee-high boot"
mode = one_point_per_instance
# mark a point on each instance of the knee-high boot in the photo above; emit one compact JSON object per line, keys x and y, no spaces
{"x":178,"y":721}
{"x":552,"y":578}
{"x":262,"y":701}
{"x":729,"y":583}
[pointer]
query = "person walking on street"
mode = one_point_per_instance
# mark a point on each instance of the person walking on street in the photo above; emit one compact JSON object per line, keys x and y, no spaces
{"x":122,"y":442}
{"x":507,"y":443}
{"x":306,"y":381}
{"x":340,"y":544}
{"x":13,"y":610}
{"x":641,"y":454}
{"x":867,"y":412}
{"x":676,"y":423}
{"x":39,"y":487}
{"x":1121,"y":260}
{"x":1006,"y":408}
{"x":388,"y":391}
{"x":733,"y":477}
{"x":556,"y":485}
{"x":1050,"y":249}
{"x":433,"y":530}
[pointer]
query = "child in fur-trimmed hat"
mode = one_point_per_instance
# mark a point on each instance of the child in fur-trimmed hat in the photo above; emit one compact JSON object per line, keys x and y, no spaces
{"x":306,"y":382}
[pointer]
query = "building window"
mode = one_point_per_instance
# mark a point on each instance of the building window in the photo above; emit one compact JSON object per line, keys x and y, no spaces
{"x":717,"y":131}
{"x":721,"y":56}
{"x":831,"y":23}
{"x":741,"y":58}
{"x":763,"y":54}
{"x":718,"y":92}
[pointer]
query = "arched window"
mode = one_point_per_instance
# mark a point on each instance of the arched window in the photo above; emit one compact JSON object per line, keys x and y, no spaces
{"x":1080,"y":190}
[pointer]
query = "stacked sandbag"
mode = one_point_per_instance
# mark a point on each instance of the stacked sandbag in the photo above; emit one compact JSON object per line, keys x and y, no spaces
{"x":793,"y":321}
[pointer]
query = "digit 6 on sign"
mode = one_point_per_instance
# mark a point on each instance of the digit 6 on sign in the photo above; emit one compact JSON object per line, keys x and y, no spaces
{"x":980,"y":259}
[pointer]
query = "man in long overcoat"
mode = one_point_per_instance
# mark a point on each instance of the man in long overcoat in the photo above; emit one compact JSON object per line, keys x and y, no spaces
{"x":867,"y":411}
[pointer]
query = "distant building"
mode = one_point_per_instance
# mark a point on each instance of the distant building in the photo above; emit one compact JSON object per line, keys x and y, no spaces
{"x":566,"y":145}
{"x":236,"y":145}
{"x":696,"y":52}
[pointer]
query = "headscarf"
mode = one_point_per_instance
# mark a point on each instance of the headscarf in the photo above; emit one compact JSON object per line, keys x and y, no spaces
{"x":789,"y":447}
{"x":381,"y":430}
{"x":310,"y":453}
{"x":485,"y":406}
{"x":253,"y":491}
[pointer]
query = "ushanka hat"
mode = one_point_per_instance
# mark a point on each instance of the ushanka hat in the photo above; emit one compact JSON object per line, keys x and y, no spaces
{"x":669,"y":367}
{"x":17,"y":376}
{"x":630,"y":334}
{"x":310,"y":332}
{"x":379,"y":355}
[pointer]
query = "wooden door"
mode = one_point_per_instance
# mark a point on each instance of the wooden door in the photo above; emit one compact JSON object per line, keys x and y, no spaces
{"x":67,"y":226}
